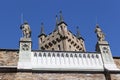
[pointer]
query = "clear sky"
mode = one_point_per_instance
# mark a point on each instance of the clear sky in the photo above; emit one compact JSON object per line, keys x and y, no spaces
{"x":82,"y":13}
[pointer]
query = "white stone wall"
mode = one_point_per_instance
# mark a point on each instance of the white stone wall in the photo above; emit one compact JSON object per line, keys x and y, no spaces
{"x":107,"y":56}
{"x":66,"y":61}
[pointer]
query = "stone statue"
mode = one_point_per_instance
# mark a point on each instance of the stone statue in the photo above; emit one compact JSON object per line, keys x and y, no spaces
{"x":26,"y":30}
{"x":100,"y":34}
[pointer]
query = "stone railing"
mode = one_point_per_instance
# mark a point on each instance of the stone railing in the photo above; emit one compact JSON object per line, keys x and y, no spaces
{"x":66,"y":61}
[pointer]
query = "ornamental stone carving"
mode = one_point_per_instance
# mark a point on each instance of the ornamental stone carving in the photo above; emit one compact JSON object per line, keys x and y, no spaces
{"x":26,"y":30}
{"x":100,"y":34}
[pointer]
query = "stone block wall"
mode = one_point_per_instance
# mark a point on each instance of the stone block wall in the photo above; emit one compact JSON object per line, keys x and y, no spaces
{"x":24,"y":76}
{"x":56,"y":76}
{"x":115,"y":76}
{"x":67,"y":76}
{"x":8,"y":57}
{"x":7,"y":76}
{"x":50,"y":76}
{"x":117,"y":61}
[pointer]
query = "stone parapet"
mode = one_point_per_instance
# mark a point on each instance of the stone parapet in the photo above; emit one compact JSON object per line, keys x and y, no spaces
{"x":9,"y":57}
{"x":66,"y":61}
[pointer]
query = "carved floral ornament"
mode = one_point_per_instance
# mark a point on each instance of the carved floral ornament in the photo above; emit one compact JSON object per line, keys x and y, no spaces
{"x":25,"y":47}
{"x":105,"y":50}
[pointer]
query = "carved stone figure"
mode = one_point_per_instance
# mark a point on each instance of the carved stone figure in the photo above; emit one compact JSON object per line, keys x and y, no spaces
{"x":26,"y":30}
{"x":100,"y":34}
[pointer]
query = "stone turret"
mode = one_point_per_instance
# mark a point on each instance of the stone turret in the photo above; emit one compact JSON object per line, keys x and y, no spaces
{"x":42,"y":35}
{"x":62,"y":30}
{"x":82,"y":44}
{"x":62,"y":26}
{"x":61,"y":39}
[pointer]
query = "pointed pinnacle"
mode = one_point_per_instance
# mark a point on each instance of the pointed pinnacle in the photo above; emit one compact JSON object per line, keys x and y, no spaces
{"x":57,"y":22}
{"x":78,"y":32}
{"x":42,"y":28}
{"x":61,"y":17}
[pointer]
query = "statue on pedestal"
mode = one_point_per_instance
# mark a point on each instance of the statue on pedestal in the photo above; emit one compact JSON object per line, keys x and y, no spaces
{"x":100,"y":34}
{"x":26,"y":30}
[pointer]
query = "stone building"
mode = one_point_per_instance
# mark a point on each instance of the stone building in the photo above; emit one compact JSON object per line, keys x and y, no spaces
{"x":61,"y":56}
{"x":61,"y":39}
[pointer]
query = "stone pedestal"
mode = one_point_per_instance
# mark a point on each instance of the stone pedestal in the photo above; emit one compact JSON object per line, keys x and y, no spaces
{"x":25,"y":54}
{"x":104,"y":49}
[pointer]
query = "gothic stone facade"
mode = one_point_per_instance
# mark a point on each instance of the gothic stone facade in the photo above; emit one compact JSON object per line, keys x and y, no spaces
{"x":61,"y":56}
{"x":8,"y":70}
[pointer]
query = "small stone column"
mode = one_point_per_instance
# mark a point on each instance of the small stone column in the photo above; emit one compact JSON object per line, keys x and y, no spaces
{"x":104,"y":49}
{"x":25,"y":54}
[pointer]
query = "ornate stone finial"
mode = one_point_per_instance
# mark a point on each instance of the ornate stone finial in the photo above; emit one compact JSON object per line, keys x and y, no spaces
{"x":100,"y":34}
{"x":42,"y":28}
{"x":61,"y":17}
{"x":26,"y":30}
{"x":57,"y":22}
{"x":78,"y":32}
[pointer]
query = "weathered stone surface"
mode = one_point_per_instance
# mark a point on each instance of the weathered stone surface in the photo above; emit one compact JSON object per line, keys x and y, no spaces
{"x":117,"y":62}
{"x":115,"y":76}
{"x":7,"y":76}
{"x":8,"y":58}
{"x":67,"y":76}
{"x":23,"y":76}
{"x":50,"y":76}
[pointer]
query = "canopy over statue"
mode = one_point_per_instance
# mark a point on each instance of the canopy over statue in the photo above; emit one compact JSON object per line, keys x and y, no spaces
{"x":26,"y":30}
{"x":100,"y":34}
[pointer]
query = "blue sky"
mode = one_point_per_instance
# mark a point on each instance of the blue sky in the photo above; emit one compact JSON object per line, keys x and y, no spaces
{"x":82,"y":13}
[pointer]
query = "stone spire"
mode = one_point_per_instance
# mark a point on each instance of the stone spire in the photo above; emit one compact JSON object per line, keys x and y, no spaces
{"x":78,"y":35}
{"x":61,"y":20}
{"x":78,"y":32}
{"x":42,"y":29}
{"x":61,"y":17}
{"x":57,"y":22}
